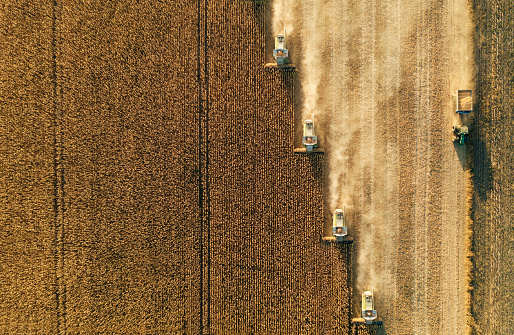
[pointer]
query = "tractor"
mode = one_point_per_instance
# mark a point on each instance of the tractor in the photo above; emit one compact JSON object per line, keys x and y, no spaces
{"x":460,"y":134}
{"x":464,"y":103}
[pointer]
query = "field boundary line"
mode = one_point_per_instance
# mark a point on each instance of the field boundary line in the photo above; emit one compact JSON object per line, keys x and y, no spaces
{"x":203,"y":166}
{"x":58,"y":185}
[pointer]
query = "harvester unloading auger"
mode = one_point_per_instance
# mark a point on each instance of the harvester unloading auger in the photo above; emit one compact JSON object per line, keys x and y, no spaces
{"x":369,"y":314}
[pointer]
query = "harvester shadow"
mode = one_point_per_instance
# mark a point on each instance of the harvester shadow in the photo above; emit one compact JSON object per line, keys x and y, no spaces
{"x":368,"y":329}
{"x":463,"y":150}
{"x":481,"y":165}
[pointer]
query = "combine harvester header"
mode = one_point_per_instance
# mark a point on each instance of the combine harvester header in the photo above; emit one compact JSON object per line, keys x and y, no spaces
{"x":369,"y":315}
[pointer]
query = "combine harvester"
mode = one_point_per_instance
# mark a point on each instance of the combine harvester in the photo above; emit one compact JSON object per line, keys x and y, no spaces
{"x":280,"y":54}
{"x":464,"y":102}
{"x":369,"y":314}
{"x":309,"y":140}
{"x":339,"y":229}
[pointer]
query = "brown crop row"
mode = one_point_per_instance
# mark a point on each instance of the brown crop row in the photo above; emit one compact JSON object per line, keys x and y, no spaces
{"x":269,"y":271}
{"x":27,"y":218}
{"x":493,"y":158}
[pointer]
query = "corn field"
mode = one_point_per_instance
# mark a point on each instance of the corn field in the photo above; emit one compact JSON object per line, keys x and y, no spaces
{"x":150,"y":185}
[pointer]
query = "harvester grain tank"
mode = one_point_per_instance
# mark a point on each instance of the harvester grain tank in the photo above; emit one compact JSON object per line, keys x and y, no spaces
{"x":339,"y":229}
{"x":369,"y":314}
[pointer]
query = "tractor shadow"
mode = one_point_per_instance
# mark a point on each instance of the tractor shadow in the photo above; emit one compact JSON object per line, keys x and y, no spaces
{"x":481,"y":167}
{"x":462,"y":154}
{"x":475,"y":155}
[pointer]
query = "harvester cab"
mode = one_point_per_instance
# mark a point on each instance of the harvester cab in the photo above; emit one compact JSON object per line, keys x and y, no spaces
{"x":369,"y":314}
{"x":310,"y":141}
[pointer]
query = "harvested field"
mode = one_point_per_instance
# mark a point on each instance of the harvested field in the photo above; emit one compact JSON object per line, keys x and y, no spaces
{"x":151,"y":186}
{"x":383,"y":93}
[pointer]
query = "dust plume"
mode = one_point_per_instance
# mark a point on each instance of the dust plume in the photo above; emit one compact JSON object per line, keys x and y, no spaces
{"x":311,"y":56}
{"x":283,"y":16}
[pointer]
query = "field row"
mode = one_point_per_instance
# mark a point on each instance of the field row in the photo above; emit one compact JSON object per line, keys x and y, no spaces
{"x":492,"y":164}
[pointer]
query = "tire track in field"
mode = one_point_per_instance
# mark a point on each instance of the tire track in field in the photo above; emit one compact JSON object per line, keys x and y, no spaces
{"x":454,"y":278}
{"x":405,"y":272}
{"x":367,"y":91}
{"x":439,"y":111}
{"x":421,"y":175}
{"x":389,"y":102}
{"x":59,"y":183}
{"x":203,"y":167}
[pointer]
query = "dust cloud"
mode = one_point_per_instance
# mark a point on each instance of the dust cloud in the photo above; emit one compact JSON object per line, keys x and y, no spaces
{"x":283,"y":16}
{"x":375,"y":76}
